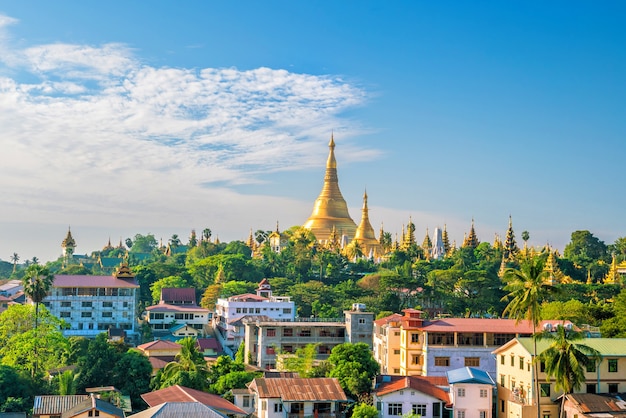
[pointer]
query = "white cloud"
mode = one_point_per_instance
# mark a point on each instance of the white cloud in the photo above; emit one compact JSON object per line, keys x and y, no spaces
{"x":100,"y":135}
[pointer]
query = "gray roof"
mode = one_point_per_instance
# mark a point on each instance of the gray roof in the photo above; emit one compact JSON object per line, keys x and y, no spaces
{"x":469,"y":375}
{"x":56,"y":404}
{"x":93,"y":403}
{"x":179,"y":410}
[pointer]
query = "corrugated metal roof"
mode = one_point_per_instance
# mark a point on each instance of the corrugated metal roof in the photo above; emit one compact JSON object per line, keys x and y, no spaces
{"x":56,"y":404}
{"x":182,"y":294}
{"x":183,"y":394}
{"x":589,"y":403}
{"x":417,"y":383}
{"x":469,"y":375}
{"x":166,"y":307}
{"x":299,"y":389}
{"x":179,"y":410}
{"x":93,"y":404}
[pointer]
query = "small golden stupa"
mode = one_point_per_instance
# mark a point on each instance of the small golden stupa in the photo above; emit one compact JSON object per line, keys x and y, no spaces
{"x":330,"y":209}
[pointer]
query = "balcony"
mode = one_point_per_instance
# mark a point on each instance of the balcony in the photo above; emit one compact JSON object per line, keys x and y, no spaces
{"x":317,"y":415}
{"x":519,"y":398}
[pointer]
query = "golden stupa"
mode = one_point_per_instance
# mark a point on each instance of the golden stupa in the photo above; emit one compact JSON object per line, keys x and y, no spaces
{"x":365,"y":235}
{"x":330,"y":209}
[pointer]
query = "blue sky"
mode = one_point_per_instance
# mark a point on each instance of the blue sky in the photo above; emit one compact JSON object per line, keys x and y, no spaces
{"x":126,"y":117}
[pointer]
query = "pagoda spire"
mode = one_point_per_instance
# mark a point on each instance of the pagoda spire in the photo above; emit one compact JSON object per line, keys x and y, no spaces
{"x":446,"y":240}
{"x":364,"y":234}
{"x":330,"y":208}
{"x":471,"y":240}
{"x":510,"y":246}
{"x":427,"y":245}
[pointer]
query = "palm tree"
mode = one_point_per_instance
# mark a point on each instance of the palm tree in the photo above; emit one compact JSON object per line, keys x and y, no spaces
{"x":566,"y":359}
{"x":206,"y":234}
{"x":37,"y":282}
{"x":15,"y":258}
{"x":527,"y":287}
{"x":189,"y":369}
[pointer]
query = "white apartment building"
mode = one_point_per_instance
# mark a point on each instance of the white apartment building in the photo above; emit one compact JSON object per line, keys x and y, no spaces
{"x":93,"y":304}
{"x":229,"y":312}
{"x":177,"y":307}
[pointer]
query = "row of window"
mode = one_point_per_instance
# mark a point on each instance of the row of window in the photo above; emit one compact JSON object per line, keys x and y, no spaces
{"x":106,"y":314}
{"x":258,"y":310}
{"x":468,"y":361}
{"x":157,"y":315}
{"x":86,"y":304}
{"x":591,"y":367}
{"x":94,"y":291}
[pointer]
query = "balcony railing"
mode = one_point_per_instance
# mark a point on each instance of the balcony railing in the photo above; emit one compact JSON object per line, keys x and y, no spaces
{"x":521,"y":399}
{"x":320,"y":415}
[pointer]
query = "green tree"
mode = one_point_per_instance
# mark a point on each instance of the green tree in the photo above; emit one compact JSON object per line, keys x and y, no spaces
{"x":14,"y":259}
{"x":233,"y":380}
{"x":67,"y":383}
{"x":354,"y":366}
{"x":189,"y":369}
{"x":16,"y":391}
{"x":527,"y":288}
{"x":363,"y":410}
{"x":37,"y":282}
{"x":143,"y":243}
{"x":302,"y":361}
{"x":566,"y":359}
{"x":96,"y":367}
{"x":132,"y":373}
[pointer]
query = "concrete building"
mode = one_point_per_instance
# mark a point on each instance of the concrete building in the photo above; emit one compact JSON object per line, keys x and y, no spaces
{"x":515,"y":371}
{"x":177,"y":307}
{"x":265,"y":338}
{"x":230,"y":312}
{"x":395,"y":396}
{"x":93,"y":304}
{"x":431,"y":348}
{"x":471,"y":392}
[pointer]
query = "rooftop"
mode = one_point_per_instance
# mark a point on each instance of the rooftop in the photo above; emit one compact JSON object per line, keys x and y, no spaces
{"x":299,"y":389}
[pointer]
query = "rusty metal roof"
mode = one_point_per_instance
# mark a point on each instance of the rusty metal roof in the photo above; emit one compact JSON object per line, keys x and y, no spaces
{"x":183,"y":394}
{"x":299,"y":389}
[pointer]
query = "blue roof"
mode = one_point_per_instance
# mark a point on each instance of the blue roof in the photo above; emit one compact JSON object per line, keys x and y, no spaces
{"x":469,"y":375}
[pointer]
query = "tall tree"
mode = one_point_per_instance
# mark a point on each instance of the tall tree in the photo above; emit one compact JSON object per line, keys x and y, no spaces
{"x":37,"y":282}
{"x":189,"y":369}
{"x":527,"y":288}
{"x":15,"y":258}
{"x":354,"y":366}
{"x":566,"y":359}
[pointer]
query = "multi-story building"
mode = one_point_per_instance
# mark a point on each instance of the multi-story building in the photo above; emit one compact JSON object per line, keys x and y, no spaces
{"x":265,"y":338}
{"x":93,"y":304}
{"x":516,"y":371}
{"x":177,"y":307}
{"x":431,"y":348}
{"x":471,"y":392}
{"x":425,"y":396}
{"x":230,"y":312}
{"x":386,"y":341}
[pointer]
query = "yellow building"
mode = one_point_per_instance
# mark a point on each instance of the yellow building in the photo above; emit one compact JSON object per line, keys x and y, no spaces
{"x":515,"y":371}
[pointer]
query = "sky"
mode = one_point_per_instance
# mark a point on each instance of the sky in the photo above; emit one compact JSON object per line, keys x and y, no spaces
{"x":130,"y":117}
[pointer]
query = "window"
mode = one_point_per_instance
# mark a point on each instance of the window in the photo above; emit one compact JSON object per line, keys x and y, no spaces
{"x":271,"y":332}
{"x":483,"y":393}
{"x":472,"y":361}
{"x":157,"y":315}
{"x":85,"y":314}
{"x":482,"y":414}
{"x":545,"y":389}
{"x":66,"y":304}
{"x":246,"y":401}
{"x":107,"y":304}
{"x":87,"y":304}
{"x":512,"y":361}
{"x":542,"y":366}
{"x":502,"y":360}
{"x":305,"y":333}
{"x":591,"y":367}
{"x":613,"y":365}
{"x":287,"y":310}
{"x":613,"y":387}
{"x":394,"y":409}
{"x":591,"y":388}
{"x":460,"y":392}
{"x":442,"y":361}
{"x":521,"y":363}
{"x":396,"y":351}
{"x":419,"y":409}
{"x":65,"y":315}
{"x":278,"y":407}
{"x":460,"y":414}
{"x":107,"y":314}
{"x":416,"y":359}
{"x":502,"y":380}
{"x":436,"y":409}
{"x":257,"y":310}
{"x":396,"y":371}
{"x":288,"y":332}
{"x":415,"y":337}
{"x":238,"y":310}
{"x":502,"y":406}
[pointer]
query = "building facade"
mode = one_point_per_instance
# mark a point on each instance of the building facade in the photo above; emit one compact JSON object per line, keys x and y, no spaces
{"x":93,"y":304}
{"x":177,"y":307}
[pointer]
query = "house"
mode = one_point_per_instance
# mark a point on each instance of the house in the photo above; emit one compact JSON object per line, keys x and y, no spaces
{"x":177,"y":307}
{"x":70,"y":406}
{"x":471,"y":392}
{"x":319,"y":397}
{"x":515,"y":373}
{"x":265,"y":339}
{"x":4,"y":303}
{"x":176,"y":394}
{"x":93,"y":304}
{"x":209,"y":347}
{"x":593,"y":405}
{"x":399,"y":395}
{"x":159,"y":353}
{"x":11,"y":287}
{"x":178,"y":410}
{"x":431,"y":348}
{"x":230,"y":312}
{"x":183,"y":330}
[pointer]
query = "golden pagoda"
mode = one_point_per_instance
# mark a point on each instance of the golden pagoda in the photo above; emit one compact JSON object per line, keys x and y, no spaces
{"x":471,"y":240}
{"x":330,"y":209}
{"x":365,"y":235}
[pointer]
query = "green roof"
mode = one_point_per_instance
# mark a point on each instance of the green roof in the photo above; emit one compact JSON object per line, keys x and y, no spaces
{"x":608,"y":347}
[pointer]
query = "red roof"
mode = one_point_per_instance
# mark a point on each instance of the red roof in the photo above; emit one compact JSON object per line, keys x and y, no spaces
{"x":478,"y":325}
{"x":422,"y":384}
{"x":180,"y":295}
{"x":164,"y":307}
{"x":61,"y":280}
{"x":247,"y":297}
{"x":159,"y":345}
{"x":183,"y":394}
{"x":209,"y":343}
{"x":388,"y":319}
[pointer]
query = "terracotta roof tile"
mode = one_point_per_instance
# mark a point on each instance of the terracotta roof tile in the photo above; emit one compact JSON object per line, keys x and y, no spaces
{"x":183,"y":394}
{"x":159,"y":345}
